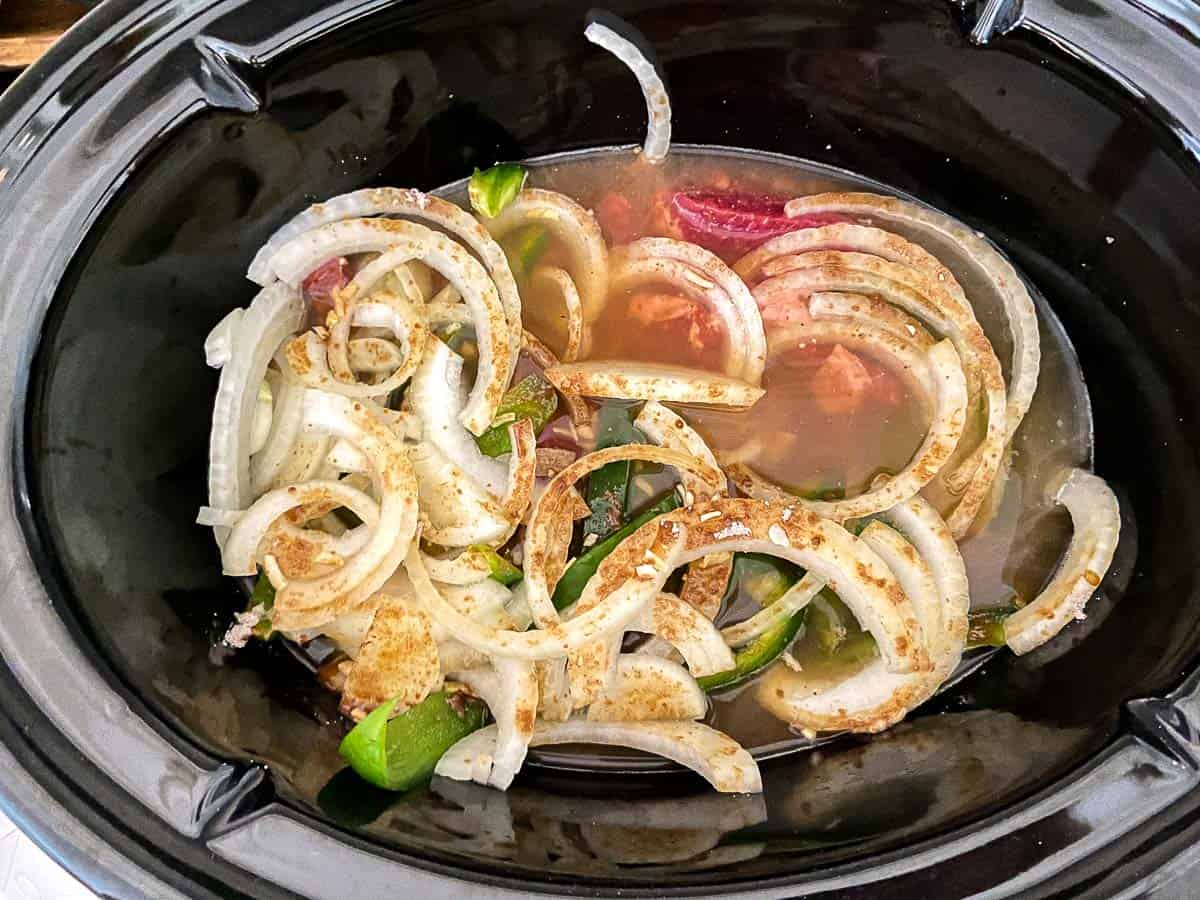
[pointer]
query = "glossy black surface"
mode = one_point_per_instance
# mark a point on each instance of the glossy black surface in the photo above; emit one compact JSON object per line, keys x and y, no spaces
{"x":1091,"y":195}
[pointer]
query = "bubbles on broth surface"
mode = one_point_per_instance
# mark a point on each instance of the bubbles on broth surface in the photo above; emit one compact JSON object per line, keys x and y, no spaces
{"x":806,"y":432}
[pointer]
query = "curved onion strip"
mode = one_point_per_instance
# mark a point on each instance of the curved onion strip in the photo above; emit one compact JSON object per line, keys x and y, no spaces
{"x":542,"y":356}
{"x":934,"y":578}
{"x":547,"y":537}
{"x":575,"y":228}
{"x":719,"y":759}
{"x":658,"y":104}
{"x":860,"y":308}
{"x":468,"y":567}
{"x":246,"y":341}
{"x":381,"y":309}
{"x":687,"y":630}
{"x":345,"y":457}
{"x":399,"y":242}
{"x":483,"y":601}
{"x":667,"y":429}
{"x":607,"y":618}
{"x":448,"y":312}
{"x":628,"y":273}
{"x":305,"y":459}
{"x":733,"y":302}
{"x":286,"y":421}
{"x":309,"y":357}
{"x":560,"y":281}
{"x":649,"y":689}
{"x":620,"y":380}
{"x":435,"y":395}
{"x":239,"y":556}
{"x":1018,"y":306}
{"x":793,"y":600}
{"x":950,"y":402}
{"x":374,"y":356}
{"x":705,"y":580}
{"x":309,"y":603}
{"x":401,"y":202}
{"x":454,"y":511}
{"x":973,"y":478}
{"x":398,"y":659}
{"x":510,"y":689}
{"x":1096,"y":518}
{"x":861,"y":579}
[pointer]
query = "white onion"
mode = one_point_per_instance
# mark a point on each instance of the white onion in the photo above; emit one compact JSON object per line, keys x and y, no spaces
{"x":1018,"y":306}
{"x":436,"y":396}
{"x":1096,"y":518}
{"x":510,"y":690}
{"x":309,"y":603}
{"x":719,"y":759}
{"x":412,"y":204}
{"x":658,"y":104}
{"x":398,"y":659}
{"x":701,"y":273}
{"x":620,"y":380}
{"x":577,"y":231}
{"x":560,"y":281}
{"x":648,"y":688}
{"x":399,"y":242}
{"x":246,"y":343}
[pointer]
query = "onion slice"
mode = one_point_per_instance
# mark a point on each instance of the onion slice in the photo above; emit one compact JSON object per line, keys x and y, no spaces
{"x":577,"y":231}
{"x":310,"y":603}
{"x":620,"y":380}
{"x":411,"y":204}
{"x":944,"y":374}
{"x":1018,"y":306}
{"x":436,"y":397}
{"x":648,"y":688}
{"x":702,"y":274}
{"x":719,"y":759}
{"x":399,"y":242}
{"x":510,"y":689}
{"x":1096,"y":518}
{"x":398,"y":658}
{"x":658,"y":104}
{"x":793,"y":600}
{"x":929,"y":567}
{"x":560,"y":281}
{"x":244,"y":342}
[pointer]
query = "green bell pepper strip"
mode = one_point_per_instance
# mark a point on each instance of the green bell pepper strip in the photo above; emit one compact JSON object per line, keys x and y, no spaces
{"x":530,"y":398}
{"x":493,"y":189}
{"x":577,"y":575}
{"x":264,"y":595}
{"x":500,"y":569}
{"x":985,"y":627}
{"x":608,"y":486}
{"x":401,"y":752}
{"x":756,"y":655}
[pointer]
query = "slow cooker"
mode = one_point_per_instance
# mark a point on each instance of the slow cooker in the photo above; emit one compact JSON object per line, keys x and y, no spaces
{"x":155,"y":147}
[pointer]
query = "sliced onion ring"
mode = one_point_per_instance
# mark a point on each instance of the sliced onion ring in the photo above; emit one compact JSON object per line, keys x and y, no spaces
{"x":559,"y":280}
{"x":658,"y":104}
{"x":246,"y":341}
{"x":510,"y":689}
{"x":719,"y":759}
{"x":620,"y":380}
{"x":944,"y":373}
{"x":1018,"y":306}
{"x":702,"y":274}
{"x":575,"y":228}
{"x":1096,"y":518}
{"x":399,"y":242}
{"x":648,"y":688}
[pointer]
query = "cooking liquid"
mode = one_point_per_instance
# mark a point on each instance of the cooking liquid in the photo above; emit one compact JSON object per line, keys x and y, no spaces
{"x":810,"y":433}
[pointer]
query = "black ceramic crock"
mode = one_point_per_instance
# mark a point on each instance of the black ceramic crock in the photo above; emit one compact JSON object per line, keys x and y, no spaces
{"x":158,"y":144}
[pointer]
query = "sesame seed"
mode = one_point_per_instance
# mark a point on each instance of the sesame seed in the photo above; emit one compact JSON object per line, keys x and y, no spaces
{"x":711,"y":514}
